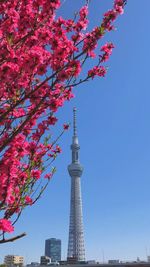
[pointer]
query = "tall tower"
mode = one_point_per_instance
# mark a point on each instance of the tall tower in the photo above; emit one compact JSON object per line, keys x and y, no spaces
{"x":76,"y":249}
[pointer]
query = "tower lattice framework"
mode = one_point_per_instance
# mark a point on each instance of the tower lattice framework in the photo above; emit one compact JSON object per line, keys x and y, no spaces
{"x":76,"y":248}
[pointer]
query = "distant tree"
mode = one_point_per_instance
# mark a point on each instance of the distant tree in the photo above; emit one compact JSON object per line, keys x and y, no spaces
{"x":41,"y":58}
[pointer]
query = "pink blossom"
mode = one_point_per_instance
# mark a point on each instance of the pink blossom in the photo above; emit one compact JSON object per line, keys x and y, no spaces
{"x":66,"y":126}
{"x":28,"y":200}
{"x":48,"y":176}
{"x":97,"y":71}
{"x":6,"y":226}
{"x":36,"y":174}
{"x":107,"y":49}
{"x":83,"y":12}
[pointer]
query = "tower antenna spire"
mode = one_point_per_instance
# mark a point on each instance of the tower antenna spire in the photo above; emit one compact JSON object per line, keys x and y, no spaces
{"x":74,"y":122}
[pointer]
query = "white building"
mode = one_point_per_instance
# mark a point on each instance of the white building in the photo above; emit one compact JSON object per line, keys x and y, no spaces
{"x":13,"y":260}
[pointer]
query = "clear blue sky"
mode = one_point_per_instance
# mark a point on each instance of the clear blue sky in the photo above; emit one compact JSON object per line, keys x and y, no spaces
{"x":114,"y":135}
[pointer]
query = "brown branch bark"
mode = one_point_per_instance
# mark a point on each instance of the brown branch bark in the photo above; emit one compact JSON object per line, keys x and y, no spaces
{"x":12,"y":238}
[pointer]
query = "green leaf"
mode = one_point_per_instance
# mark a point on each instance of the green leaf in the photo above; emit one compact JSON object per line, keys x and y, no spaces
{"x":102,"y":30}
{"x":53,"y":170}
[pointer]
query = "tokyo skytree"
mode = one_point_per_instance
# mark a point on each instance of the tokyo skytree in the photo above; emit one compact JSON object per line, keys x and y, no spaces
{"x":76,"y":250}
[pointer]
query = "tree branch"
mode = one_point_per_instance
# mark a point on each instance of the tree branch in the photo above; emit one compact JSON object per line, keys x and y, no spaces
{"x":12,"y":239}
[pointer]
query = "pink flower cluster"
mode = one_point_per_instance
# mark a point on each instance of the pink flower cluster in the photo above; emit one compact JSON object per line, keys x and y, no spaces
{"x":97,"y":71}
{"x":107,"y":49}
{"x":6,"y":226}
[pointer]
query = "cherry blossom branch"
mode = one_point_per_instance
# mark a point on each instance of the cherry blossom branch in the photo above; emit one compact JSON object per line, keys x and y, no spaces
{"x":42,"y":56}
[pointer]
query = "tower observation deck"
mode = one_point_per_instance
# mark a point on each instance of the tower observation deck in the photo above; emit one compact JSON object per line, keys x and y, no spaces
{"x":76,"y":249}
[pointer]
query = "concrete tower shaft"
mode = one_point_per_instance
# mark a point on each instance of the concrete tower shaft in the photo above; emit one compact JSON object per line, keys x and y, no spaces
{"x":76,"y":249}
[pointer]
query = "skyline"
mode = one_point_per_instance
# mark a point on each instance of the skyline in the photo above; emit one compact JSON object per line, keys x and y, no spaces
{"x":114,"y":130}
